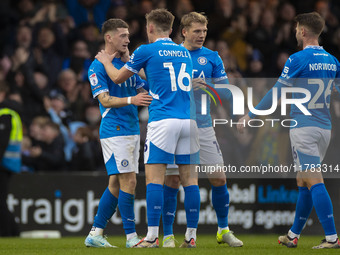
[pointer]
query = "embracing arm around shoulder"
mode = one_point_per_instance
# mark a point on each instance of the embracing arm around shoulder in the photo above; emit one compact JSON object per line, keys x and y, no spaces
{"x":117,"y":76}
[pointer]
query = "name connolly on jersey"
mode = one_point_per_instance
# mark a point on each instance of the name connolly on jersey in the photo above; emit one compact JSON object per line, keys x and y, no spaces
{"x":173,"y":53}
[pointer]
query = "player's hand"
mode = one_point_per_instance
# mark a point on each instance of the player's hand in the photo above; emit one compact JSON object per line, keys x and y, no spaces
{"x":141,"y":99}
{"x":105,"y":58}
{"x":198,"y":83}
{"x":125,"y":57}
{"x":242,"y":123}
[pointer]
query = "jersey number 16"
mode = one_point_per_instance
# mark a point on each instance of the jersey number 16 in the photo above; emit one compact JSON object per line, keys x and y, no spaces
{"x":181,"y":76}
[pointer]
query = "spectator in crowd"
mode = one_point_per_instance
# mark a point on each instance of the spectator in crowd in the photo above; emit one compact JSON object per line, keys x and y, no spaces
{"x":84,"y":11}
{"x":43,"y":39}
{"x":90,"y":34}
{"x":286,"y":27}
{"x":56,"y":106}
{"x":263,"y":37}
{"x":83,"y":157}
{"x":36,"y":129}
{"x":77,"y":94}
{"x":10,"y":159}
{"x":50,"y":51}
{"x":30,"y":80}
{"x":235,"y":36}
{"x":23,"y":39}
{"x":49,"y":155}
{"x":80,"y":60}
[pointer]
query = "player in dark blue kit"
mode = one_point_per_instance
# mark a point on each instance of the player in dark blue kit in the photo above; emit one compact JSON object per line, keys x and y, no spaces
{"x":314,"y":70}
{"x":207,"y":68}
{"x":119,"y":136}
{"x":172,"y":133}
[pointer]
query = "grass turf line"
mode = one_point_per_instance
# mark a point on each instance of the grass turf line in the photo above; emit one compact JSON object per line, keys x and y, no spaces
{"x":206,"y":245}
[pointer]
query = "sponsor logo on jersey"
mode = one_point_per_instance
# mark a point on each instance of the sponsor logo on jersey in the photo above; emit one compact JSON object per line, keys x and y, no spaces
{"x":93,"y":79}
{"x":202,"y":61}
{"x":96,"y":87}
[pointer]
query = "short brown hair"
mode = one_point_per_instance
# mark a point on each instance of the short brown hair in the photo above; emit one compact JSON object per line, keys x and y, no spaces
{"x":85,"y":132}
{"x":52,"y":125}
{"x":312,"y":20}
{"x":40,"y":120}
{"x":162,"y":18}
{"x":113,"y":24}
{"x":193,"y":17}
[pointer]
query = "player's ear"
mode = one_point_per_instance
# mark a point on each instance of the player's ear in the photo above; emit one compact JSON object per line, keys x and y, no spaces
{"x":151,"y":28}
{"x":184,"y":31}
{"x":107,"y":37}
{"x":170,"y":31}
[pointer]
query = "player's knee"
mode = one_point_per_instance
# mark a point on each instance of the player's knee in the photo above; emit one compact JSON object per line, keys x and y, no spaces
{"x":217,"y":182}
{"x":114,"y":190}
{"x":300,"y":182}
{"x":172,"y":181}
{"x":129,"y":182}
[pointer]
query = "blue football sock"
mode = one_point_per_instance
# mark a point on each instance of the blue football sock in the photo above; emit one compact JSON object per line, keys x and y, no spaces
{"x":169,"y":209}
{"x":323,"y":207}
{"x":154,"y":203}
{"x":106,"y":208}
{"x":192,"y":202}
{"x":220,"y":201}
{"x":126,"y":209}
{"x":304,"y":206}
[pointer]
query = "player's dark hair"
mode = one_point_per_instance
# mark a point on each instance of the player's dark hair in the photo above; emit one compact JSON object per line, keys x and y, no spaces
{"x":113,"y":24}
{"x":161,"y":18}
{"x":312,"y":20}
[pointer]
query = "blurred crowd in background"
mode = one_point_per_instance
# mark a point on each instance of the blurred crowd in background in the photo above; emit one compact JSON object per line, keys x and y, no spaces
{"x":48,"y":46}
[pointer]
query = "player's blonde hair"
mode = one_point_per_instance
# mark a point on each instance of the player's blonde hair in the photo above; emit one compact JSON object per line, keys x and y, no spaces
{"x":193,"y":17}
{"x":161,"y":18}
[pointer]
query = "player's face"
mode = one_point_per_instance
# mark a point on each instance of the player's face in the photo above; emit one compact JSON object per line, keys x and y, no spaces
{"x":120,"y":39}
{"x":194,"y":36}
{"x":298,"y":36}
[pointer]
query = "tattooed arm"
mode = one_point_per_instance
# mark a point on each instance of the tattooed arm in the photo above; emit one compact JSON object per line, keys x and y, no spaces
{"x":141,"y":99}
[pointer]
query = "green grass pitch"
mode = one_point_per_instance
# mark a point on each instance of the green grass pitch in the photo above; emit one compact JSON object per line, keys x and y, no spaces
{"x":206,"y":245}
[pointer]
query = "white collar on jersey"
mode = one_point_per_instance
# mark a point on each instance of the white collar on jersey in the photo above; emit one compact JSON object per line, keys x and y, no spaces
{"x":315,"y":47}
{"x":164,"y":39}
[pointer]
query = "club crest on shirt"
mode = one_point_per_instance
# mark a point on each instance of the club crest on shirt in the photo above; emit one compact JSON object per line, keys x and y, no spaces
{"x":93,"y":79}
{"x":202,"y":61}
{"x":125,"y":163}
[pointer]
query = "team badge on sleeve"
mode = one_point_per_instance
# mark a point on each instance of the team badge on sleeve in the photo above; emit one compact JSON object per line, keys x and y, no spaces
{"x":93,"y":79}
